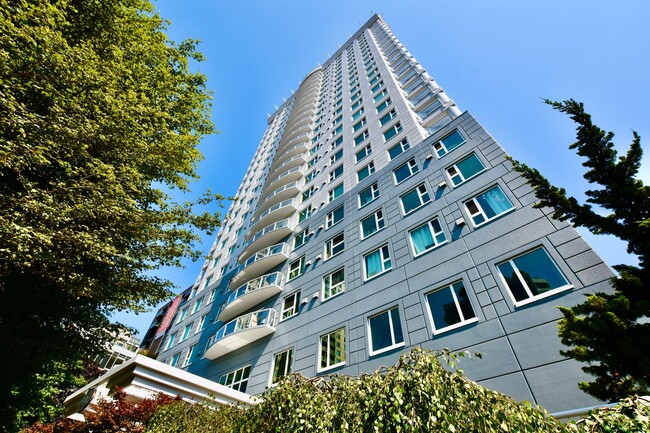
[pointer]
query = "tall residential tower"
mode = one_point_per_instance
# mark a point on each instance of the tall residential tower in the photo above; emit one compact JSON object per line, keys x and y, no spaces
{"x":376,"y":216}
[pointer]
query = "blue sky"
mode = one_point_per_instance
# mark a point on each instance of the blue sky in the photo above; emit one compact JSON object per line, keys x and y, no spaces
{"x":496,"y":59}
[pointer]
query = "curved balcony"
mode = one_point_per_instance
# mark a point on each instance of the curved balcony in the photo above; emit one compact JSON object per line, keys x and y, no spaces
{"x":304,"y":100}
{"x":261,"y":262}
{"x":251,"y":294}
{"x":269,"y":235}
{"x":298,"y":130}
{"x":299,"y":118}
{"x":290,"y":175}
{"x":240,"y":332}
{"x":282,"y":193}
{"x":297,"y":139}
{"x":290,"y":152}
{"x":275,"y":213}
{"x":294,"y":161}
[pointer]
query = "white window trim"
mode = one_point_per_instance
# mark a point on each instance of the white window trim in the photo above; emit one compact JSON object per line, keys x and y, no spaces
{"x":301,"y":268}
{"x":445,"y":147}
{"x":190,"y":351}
{"x":290,"y":366}
{"x":320,"y":369}
{"x":374,"y":214}
{"x":374,"y":198}
{"x":330,"y":193}
{"x":295,"y":294}
{"x":480,"y":209}
{"x":401,"y":203}
{"x":410,"y":166}
{"x":325,"y":257}
{"x":370,"y":171}
{"x":392,"y":332}
{"x":383,"y":259}
{"x":428,"y":223}
{"x":401,"y":146}
{"x":455,"y":325}
{"x":342,"y":283}
{"x":455,"y":165}
{"x":532,"y":298}
{"x":329,"y":226}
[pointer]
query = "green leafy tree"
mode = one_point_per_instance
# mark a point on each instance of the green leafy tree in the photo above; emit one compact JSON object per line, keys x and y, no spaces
{"x":100,"y":117}
{"x":608,"y":331}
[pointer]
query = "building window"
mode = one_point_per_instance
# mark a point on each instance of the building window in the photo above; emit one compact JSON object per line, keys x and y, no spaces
{"x":333,"y":284}
{"x":186,"y":331}
{"x":237,"y":380}
{"x":336,"y":157}
{"x":337,"y":143}
{"x":360,"y":155}
{"x":334,"y":246}
{"x":304,"y":214}
{"x":201,"y":324}
{"x":427,"y":237}
{"x":368,"y":195}
{"x":449,"y":143}
{"x":358,"y":113}
{"x":310,"y":177}
{"x":335,"y":193}
{"x":393,"y":131}
{"x":388,"y":117}
{"x":488,"y":205}
{"x":181,"y":315}
{"x":360,"y":124}
{"x":197,"y":305}
{"x":332,"y":350}
{"x":336,"y":173}
{"x":377,"y":262}
{"x":372,"y":224}
{"x":398,"y":149}
{"x":170,"y":340}
{"x":405,"y":171}
{"x":334,"y":217}
{"x":385,"y":331}
{"x":381,"y":107}
{"x":307,"y":193}
{"x":361,"y":137}
{"x":175,"y":359}
{"x":296,"y":268}
{"x":209,"y":279}
{"x":465,"y":169}
{"x":282,"y":365}
{"x":414,"y":199}
{"x":366,"y":171}
{"x":188,"y":356}
{"x":532,"y":276}
{"x":290,"y":305}
{"x":300,"y":239}
{"x":213,"y":293}
{"x":450,"y":308}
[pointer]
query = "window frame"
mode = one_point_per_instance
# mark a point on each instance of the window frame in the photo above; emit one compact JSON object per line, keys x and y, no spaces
{"x":442,"y":144}
{"x":420,"y":195}
{"x":366,"y":151}
{"x":335,"y":193}
{"x":383,"y":249}
{"x":404,"y":145}
{"x":329,"y":222}
{"x":288,"y":368}
{"x":463,"y":322}
{"x":395,"y":344}
{"x":375,"y":192}
{"x":294,"y":308}
{"x":432,"y":232}
{"x":332,"y":245}
{"x":460,"y":173}
{"x":319,"y":367}
{"x":236,"y":384}
{"x":532,"y":298}
{"x":331,"y":287}
{"x":480,"y":209}
{"x":380,"y":223}
{"x":370,"y":168}
{"x":300,"y":261}
{"x":412,"y":167}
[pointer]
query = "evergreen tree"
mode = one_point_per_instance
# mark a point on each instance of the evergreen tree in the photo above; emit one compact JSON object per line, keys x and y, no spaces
{"x":99,"y":117}
{"x":608,"y":331}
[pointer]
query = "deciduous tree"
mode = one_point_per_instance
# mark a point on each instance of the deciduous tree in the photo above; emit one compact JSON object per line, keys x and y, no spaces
{"x":100,"y":117}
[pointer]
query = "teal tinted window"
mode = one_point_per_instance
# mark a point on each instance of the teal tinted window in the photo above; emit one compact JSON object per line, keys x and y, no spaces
{"x":465,"y":169}
{"x":385,"y":331}
{"x":450,"y":307}
{"x":427,"y":236}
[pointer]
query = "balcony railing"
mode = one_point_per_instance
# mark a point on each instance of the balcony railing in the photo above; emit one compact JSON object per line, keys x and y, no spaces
{"x":241,"y":331}
{"x":251,"y":294}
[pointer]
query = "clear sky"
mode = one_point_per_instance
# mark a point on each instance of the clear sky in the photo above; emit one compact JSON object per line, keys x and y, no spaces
{"x":496,"y":59}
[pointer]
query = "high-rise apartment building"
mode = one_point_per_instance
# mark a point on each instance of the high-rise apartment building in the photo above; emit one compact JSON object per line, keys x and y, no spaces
{"x":376,"y":216}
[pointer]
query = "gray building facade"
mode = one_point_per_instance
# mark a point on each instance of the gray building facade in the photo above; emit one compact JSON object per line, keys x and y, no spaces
{"x":376,"y":216}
